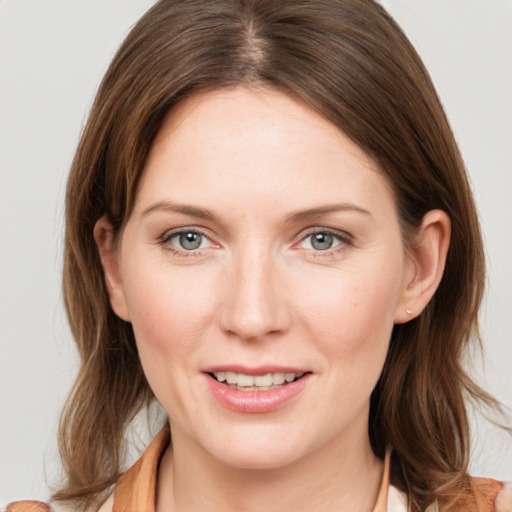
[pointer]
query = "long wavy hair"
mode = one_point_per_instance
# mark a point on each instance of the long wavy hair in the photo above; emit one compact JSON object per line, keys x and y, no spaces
{"x":350,"y":62}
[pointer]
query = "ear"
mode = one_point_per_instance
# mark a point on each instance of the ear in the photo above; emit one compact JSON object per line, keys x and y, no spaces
{"x":426,"y":260}
{"x":105,"y":238}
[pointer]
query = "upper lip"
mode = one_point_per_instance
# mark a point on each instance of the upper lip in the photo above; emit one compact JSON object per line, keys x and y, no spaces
{"x":254,"y":370}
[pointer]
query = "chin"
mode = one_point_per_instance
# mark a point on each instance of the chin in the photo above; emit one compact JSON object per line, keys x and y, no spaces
{"x":257,"y":449}
{"x":258,"y":460}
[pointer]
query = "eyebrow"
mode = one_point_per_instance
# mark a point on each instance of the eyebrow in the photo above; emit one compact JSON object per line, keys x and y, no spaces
{"x":186,"y":209}
{"x":295,"y":217}
{"x":313,"y":213}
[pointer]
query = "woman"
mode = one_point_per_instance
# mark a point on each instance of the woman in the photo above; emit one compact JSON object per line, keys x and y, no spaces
{"x":270,"y":231}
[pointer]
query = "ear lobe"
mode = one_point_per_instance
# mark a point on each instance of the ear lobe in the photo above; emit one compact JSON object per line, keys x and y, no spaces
{"x":426,"y":262}
{"x":104,"y":238}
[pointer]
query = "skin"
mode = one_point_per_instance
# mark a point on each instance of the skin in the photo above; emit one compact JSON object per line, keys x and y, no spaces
{"x":258,"y":291}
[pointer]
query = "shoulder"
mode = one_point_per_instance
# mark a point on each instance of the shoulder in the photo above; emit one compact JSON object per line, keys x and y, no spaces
{"x":27,"y":506}
{"x":503,"y":501}
{"x":486,"y":495}
{"x":39,"y":506}
{"x":492,"y":495}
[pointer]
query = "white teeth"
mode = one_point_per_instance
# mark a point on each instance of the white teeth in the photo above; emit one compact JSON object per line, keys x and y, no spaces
{"x":245,"y":380}
{"x":231,"y":377}
{"x":261,"y":380}
{"x":256,"y":382}
{"x":277,"y":379}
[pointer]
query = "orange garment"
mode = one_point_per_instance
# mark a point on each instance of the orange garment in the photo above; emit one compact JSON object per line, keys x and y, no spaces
{"x":135,"y":491}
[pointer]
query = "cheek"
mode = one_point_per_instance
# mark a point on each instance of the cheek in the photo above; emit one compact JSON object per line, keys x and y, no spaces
{"x":351,"y":315}
{"x":360,"y":298}
{"x":170,"y":310}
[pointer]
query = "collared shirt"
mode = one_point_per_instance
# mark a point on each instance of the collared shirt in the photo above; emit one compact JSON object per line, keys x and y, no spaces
{"x":136,"y":489}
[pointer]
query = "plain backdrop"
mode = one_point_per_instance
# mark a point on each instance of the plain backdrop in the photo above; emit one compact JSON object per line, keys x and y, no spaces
{"x":53,"y":54}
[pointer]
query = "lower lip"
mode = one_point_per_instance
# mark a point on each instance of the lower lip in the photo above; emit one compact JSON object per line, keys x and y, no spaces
{"x":252,"y":402}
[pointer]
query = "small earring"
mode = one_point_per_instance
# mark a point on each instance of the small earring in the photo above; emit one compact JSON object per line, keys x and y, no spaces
{"x":408,"y":311}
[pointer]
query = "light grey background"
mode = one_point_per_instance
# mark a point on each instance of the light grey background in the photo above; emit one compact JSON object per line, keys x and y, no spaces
{"x":53,"y":54}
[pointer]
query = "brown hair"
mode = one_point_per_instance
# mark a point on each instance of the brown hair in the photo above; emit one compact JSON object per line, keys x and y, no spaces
{"x":350,"y":62}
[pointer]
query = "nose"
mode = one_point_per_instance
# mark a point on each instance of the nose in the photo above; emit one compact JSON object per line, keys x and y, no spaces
{"x":256,"y":303}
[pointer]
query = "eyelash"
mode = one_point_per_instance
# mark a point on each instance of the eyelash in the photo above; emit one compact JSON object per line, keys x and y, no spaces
{"x":165,"y":239}
{"x":345,"y":239}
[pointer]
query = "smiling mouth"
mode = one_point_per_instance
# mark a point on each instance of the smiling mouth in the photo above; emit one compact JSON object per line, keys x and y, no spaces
{"x":244,"y":382}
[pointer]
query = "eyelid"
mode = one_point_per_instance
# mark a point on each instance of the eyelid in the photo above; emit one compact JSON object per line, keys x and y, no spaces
{"x":345,"y":238}
{"x":344,"y":235}
{"x":167,"y":236}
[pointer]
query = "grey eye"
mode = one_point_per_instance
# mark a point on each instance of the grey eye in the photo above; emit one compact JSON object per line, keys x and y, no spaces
{"x":190,"y":240}
{"x":322,"y":241}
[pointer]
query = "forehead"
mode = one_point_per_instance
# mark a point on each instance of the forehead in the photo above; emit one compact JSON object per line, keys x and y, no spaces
{"x":271,"y":117}
{"x":259,"y":143}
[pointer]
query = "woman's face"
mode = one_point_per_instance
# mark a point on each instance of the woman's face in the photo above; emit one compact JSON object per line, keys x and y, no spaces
{"x":264,"y":246}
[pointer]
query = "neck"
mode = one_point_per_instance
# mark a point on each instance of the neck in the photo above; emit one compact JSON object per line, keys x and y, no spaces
{"x":343,"y":475}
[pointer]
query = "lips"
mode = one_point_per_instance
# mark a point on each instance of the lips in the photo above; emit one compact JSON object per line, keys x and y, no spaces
{"x":255,"y":390}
